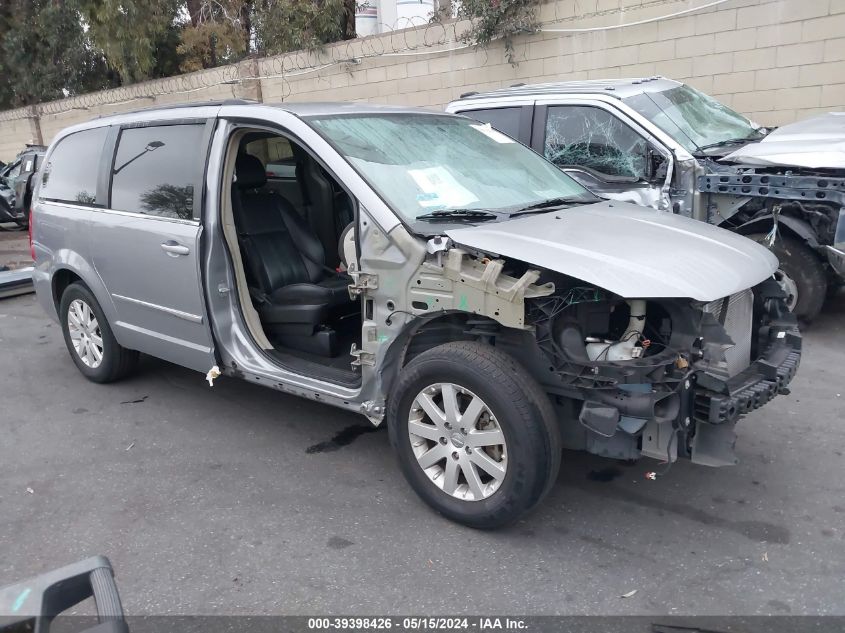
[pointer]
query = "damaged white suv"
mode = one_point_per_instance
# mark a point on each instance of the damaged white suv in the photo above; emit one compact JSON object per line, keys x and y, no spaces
{"x":415,"y":267}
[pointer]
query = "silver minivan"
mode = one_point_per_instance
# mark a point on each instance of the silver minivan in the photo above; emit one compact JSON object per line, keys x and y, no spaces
{"x":419,"y":268}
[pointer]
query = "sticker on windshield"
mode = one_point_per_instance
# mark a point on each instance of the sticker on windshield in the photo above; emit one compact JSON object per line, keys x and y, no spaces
{"x":429,"y":200}
{"x":487,"y":130}
{"x":440,"y":189}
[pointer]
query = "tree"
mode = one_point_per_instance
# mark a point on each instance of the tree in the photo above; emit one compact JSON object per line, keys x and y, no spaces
{"x":45,"y":53}
{"x":219,"y":32}
{"x":289,"y":25}
{"x":492,"y":20}
{"x":169,"y":200}
{"x":139,"y":38}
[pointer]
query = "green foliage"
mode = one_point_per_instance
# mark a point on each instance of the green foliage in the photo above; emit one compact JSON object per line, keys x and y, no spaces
{"x":289,"y":25}
{"x":138,"y":37}
{"x":45,"y":53}
{"x":50,"y":49}
{"x":495,"y":19}
{"x":218,"y":33}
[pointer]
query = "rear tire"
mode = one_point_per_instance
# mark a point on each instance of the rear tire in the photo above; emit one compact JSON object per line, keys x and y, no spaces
{"x":491,"y":484}
{"x":89,"y":338}
{"x":800,"y":272}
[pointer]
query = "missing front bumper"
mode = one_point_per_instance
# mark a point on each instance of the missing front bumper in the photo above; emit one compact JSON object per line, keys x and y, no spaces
{"x":717,"y":412}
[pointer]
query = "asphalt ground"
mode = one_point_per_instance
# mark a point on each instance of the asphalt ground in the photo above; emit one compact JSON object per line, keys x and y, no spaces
{"x":241,"y":500}
{"x":14,"y":247}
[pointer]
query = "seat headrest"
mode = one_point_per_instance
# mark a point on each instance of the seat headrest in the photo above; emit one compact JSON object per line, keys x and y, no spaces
{"x":249,"y":172}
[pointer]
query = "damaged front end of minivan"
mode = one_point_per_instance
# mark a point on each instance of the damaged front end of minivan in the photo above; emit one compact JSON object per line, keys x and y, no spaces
{"x":636,"y":362}
{"x":664,"y":378}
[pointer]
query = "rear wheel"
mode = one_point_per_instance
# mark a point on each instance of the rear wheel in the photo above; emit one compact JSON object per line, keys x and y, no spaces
{"x":89,"y":338}
{"x":801,"y":274}
{"x":475,"y":435}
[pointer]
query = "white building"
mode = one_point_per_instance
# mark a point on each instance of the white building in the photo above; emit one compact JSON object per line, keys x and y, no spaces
{"x":381,"y":16}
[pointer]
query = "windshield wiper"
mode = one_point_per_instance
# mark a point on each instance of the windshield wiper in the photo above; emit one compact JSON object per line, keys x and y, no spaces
{"x":729,"y":141}
{"x":538,"y":207}
{"x":458,"y":214}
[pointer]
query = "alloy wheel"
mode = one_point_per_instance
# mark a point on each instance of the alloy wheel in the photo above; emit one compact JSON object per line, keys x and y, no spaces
{"x":457,"y":441}
{"x":85,"y":333}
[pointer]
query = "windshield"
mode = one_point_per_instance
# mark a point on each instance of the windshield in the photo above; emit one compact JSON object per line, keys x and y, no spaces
{"x":692,"y":118}
{"x":423,"y":164}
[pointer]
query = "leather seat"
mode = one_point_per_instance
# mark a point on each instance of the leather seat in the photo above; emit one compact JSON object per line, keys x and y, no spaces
{"x":330,"y":208}
{"x":293,"y":289}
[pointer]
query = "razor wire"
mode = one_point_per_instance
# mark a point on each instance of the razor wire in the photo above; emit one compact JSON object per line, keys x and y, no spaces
{"x":411,"y":38}
{"x":407,"y":37}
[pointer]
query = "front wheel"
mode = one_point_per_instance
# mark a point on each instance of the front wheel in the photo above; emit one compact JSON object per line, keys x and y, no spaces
{"x":801,"y":274}
{"x":475,"y":435}
{"x":89,"y":338}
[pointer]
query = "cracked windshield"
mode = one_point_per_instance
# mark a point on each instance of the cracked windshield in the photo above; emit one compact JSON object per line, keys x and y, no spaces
{"x":431,"y":164}
{"x":695,"y":120}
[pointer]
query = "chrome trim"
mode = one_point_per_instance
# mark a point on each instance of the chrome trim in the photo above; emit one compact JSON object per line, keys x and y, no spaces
{"x":66,"y":205}
{"x":82,"y":207}
{"x":193,"y":318}
{"x":148,"y":216}
{"x":162,"y":337}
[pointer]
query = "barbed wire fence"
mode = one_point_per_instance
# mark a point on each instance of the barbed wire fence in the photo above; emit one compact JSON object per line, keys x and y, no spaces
{"x":410,"y":39}
{"x":406,"y":38}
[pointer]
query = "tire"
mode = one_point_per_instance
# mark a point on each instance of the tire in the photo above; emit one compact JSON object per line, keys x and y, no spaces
{"x":114,"y":361}
{"x":803,"y":271}
{"x":515,"y":407}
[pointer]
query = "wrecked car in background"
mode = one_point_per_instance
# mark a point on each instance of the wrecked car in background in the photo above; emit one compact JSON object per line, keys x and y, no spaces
{"x":420,"y":269}
{"x":17,"y":180}
{"x":663,"y":144}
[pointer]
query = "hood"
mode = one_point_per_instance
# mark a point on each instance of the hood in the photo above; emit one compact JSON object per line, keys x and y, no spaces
{"x":815,"y":143}
{"x":631,"y":251}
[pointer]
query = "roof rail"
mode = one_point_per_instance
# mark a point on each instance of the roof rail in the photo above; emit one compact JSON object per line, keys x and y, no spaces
{"x":195,"y":104}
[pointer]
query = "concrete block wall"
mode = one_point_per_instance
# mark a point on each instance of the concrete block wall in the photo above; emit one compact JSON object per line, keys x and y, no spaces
{"x":774,"y":60}
{"x":19,"y":130}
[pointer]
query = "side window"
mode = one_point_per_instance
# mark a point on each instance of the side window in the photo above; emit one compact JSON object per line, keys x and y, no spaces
{"x":71,"y":174}
{"x":155,"y":170}
{"x":506,"y":120}
{"x":586,"y":136}
{"x":276,"y":154}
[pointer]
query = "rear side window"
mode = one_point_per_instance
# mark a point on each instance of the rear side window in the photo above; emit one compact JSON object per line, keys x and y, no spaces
{"x":506,"y":120}
{"x":155,"y":170}
{"x":71,"y":173}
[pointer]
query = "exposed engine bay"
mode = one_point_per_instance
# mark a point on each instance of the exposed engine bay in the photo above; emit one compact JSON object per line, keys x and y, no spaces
{"x":665,"y":377}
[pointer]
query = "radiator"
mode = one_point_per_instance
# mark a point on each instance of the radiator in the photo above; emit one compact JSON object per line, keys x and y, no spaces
{"x":735,"y":313}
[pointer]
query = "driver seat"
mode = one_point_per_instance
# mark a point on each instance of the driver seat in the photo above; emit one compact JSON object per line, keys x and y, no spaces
{"x":292,"y":288}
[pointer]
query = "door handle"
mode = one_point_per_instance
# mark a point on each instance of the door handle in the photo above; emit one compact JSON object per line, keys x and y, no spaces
{"x":174,"y":249}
